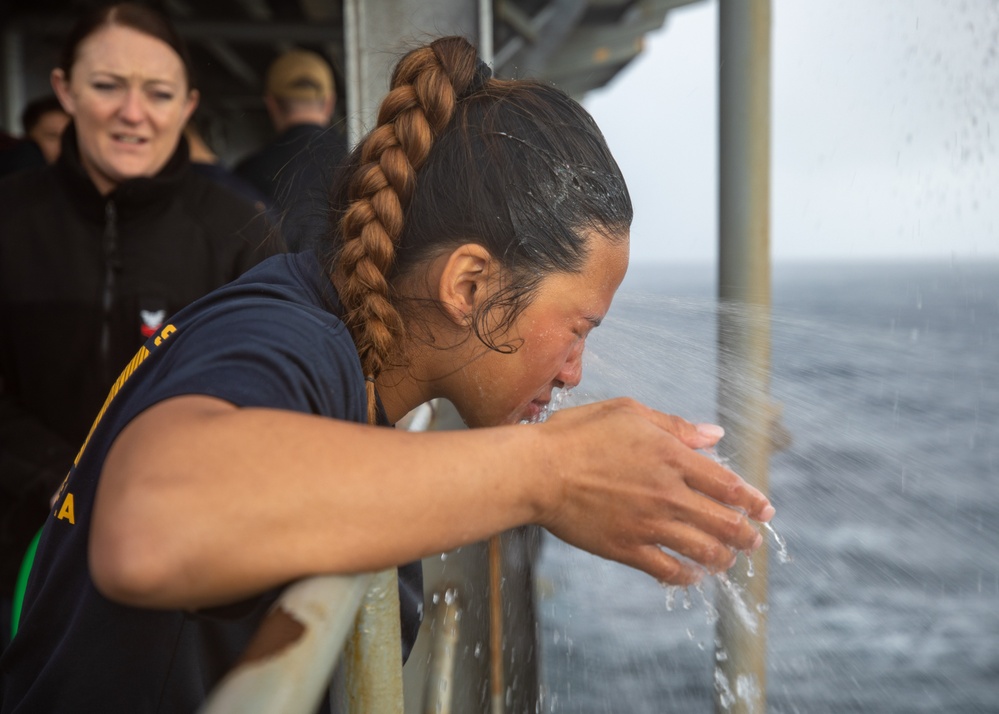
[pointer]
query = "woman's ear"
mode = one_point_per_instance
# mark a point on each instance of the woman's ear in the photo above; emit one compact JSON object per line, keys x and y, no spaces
{"x":60,"y":85}
{"x":193,"y":97}
{"x":464,"y":281}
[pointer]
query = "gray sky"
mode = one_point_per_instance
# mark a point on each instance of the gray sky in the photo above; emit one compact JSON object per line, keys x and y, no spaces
{"x":885,"y":133}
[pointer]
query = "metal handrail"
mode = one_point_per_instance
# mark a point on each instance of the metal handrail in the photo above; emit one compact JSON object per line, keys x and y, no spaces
{"x":290,"y":662}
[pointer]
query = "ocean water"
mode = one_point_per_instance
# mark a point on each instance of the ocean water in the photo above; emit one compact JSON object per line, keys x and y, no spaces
{"x":887,"y":377}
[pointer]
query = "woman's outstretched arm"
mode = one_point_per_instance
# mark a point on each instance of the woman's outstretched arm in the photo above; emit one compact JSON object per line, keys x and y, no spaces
{"x":203,"y":503}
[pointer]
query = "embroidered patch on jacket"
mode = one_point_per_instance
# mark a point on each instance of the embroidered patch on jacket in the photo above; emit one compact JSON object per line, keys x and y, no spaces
{"x":152,"y":320}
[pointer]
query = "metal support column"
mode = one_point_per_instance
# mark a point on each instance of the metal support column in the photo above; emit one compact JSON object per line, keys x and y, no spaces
{"x":13,"y":80}
{"x":377,"y":34}
{"x":743,"y":326}
{"x":373,"y":665}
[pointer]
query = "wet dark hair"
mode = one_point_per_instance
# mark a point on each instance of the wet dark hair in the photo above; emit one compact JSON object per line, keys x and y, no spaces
{"x":36,"y":109}
{"x":141,"y":18}
{"x":514,"y":165}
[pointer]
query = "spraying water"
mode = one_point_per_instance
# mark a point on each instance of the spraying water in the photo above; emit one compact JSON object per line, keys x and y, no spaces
{"x":887,"y":381}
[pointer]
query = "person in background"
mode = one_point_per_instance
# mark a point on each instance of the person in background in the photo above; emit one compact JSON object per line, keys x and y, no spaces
{"x":245,"y":446}
{"x":97,"y":250}
{"x":295,"y":170}
{"x":44,"y":120}
{"x":205,"y":161}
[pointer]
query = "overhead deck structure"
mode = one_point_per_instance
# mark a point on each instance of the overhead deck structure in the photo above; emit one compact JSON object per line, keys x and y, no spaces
{"x":577,"y":44}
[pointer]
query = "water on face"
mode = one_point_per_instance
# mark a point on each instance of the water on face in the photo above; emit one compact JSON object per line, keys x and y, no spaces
{"x":884,"y":578}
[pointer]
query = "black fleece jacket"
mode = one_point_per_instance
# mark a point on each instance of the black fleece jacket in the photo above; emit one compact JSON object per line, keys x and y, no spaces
{"x":84,"y":279}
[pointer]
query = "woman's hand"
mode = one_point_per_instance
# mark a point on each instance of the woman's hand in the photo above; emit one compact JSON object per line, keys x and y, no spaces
{"x":627,"y":482}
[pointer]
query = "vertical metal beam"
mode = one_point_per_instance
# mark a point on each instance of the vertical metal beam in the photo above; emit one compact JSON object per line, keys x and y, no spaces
{"x":743,"y":322}
{"x":486,"y":31}
{"x":439,"y":696}
{"x":375,"y":36}
{"x":497,"y":674}
{"x":13,"y":81}
{"x":378,"y":34}
{"x":374,"y":654}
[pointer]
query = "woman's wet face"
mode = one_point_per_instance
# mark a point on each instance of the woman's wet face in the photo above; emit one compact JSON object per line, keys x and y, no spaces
{"x":550,"y":335}
{"x":129,"y":97}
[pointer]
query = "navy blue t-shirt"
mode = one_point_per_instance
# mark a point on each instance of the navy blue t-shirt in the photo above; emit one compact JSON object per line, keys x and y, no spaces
{"x":270,"y":339}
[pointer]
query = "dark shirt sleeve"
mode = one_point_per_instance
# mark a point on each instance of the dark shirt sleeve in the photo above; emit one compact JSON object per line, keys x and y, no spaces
{"x":33,"y":462}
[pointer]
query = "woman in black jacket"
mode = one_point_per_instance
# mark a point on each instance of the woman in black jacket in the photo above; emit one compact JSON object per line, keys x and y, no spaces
{"x":99,"y":249}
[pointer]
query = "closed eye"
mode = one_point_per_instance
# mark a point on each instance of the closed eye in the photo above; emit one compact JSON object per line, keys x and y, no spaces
{"x":591,"y":324}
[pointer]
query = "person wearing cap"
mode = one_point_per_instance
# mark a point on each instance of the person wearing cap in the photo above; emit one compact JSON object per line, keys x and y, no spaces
{"x":294,"y":171}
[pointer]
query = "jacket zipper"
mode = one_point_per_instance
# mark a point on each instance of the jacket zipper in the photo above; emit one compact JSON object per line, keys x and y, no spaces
{"x":112,"y":265}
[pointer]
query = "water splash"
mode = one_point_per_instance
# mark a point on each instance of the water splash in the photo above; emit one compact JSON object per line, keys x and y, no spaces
{"x":782,"y":554}
{"x":889,"y":580}
{"x":739,"y":602}
{"x":559,"y":398}
{"x":671,"y":591}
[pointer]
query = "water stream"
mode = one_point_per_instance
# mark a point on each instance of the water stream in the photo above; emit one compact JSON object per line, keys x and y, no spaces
{"x":884,"y":579}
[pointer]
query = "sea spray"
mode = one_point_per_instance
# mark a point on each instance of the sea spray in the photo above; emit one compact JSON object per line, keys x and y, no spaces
{"x":559,"y":397}
{"x":782,"y":554}
{"x":716,"y":591}
{"x":736,"y":595}
{"x":738,"y":601}
{"x":888,"y":579}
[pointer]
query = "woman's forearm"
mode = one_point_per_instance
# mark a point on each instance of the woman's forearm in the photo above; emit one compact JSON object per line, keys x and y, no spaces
{"x":201,"y":502}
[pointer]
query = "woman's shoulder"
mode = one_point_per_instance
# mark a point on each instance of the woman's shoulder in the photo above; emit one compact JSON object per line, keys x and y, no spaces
{"x":26,"y":182}
{"x":230,"y":182}
{"x":215,"y":198}
{"x":227,"y":215}
{"x":289,"y":288}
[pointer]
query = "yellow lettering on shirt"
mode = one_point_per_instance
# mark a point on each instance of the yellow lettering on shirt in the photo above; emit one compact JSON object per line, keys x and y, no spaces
{"x":164,"y":334}
{"x":137,"y":360}
{"x":66,"y":512}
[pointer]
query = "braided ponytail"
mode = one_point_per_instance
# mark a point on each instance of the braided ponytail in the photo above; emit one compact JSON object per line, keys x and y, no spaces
{"x":426,"y":87}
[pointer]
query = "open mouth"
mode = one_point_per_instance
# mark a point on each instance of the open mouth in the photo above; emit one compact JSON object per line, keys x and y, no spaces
{"x":129,"y":139}
{"x":535,"y":410}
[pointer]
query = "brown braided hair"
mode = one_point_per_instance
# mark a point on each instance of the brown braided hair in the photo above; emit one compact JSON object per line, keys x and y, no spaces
{"x":515,"y":165}
{"x":424,"y":90}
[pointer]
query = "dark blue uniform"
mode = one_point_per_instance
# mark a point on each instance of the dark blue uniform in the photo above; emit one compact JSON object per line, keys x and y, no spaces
{"x":270,"y":339}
